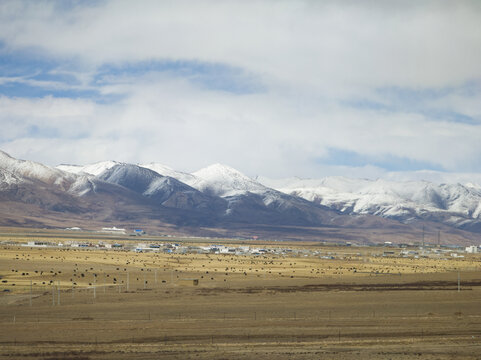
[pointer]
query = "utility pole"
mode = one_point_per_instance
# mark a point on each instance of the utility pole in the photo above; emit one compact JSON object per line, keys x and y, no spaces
{"x":423,"y":235}
{"x":127,"y":281}
{"x":58,"y":292}
{"x":459,"y":282}
{"x":30,"y":292}
{"x":439,"y":238}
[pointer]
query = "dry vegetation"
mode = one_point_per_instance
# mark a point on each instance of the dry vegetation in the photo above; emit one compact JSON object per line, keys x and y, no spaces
{"x":109,"y":304}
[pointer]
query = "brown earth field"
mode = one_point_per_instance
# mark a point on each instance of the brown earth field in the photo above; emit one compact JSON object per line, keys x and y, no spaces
{"x":75,"y":303}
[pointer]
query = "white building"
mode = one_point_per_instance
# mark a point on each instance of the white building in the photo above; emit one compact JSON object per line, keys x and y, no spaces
{"x":471,"y":249}
{"x":113,"y":230}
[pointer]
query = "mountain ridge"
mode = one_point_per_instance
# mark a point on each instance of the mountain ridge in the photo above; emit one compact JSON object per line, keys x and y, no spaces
{"x":452,"y":204}
{"x":220,"y":199}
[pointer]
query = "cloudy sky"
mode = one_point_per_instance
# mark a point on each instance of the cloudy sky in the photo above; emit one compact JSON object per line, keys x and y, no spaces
{"x":278,"y":88}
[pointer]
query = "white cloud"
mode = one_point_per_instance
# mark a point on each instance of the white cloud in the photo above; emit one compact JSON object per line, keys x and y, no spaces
{"x":187,"y":128}
{"x":309,"y":56}
{"x":358,"y":43}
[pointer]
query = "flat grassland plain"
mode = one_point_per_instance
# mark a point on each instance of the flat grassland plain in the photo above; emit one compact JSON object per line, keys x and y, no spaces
{"x":324,"y":302}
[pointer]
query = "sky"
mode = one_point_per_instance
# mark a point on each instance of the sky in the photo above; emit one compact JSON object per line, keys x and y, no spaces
{"x":271,"y":88}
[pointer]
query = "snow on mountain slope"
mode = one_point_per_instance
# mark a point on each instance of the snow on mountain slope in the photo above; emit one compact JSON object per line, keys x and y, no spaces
{"x":222,"y":180}
{"x":73,"y":169}
{"x":250,"y":201}
{"x":167,"y":171}
{"x":395,"y":199}
{"x":164,"y":190}
{"x":92,"y":169}
{"x":29,"y":170}
{"x":130,"y":176}
{"x":8,"y":179}
{"x":83,"y":185}
{"x":16,"y":172}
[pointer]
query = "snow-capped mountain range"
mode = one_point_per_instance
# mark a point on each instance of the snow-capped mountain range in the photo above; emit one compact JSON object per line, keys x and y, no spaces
{"x":214,"y":187}
{"x":455,"y":204}
{"x":452,"y":204}
{"x":219,"y":195}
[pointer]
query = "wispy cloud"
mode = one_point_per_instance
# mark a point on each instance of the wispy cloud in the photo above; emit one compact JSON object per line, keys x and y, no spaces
{"x":210,"y":76}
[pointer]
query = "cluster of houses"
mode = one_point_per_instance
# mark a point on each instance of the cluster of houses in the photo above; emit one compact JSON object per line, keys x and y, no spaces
{"x":390,"y":250}
{"x":209,"y":249}
{"x":432,"y":251}
{"x":175,"y":248}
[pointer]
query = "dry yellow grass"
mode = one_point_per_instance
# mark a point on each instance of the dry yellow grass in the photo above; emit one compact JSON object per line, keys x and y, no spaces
{"x":359,"y":305}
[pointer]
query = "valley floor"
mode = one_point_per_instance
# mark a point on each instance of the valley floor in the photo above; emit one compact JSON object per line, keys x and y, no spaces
{"x":98,"y":304}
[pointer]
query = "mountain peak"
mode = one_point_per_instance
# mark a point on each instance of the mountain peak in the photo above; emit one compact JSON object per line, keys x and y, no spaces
{"x":217,"y":169}
{"x":92,"y":169}
{"x":224,"y":180}
{"x":165,"y":170}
